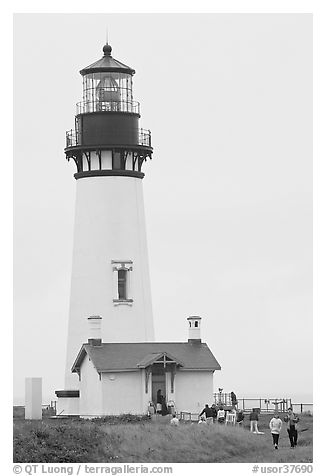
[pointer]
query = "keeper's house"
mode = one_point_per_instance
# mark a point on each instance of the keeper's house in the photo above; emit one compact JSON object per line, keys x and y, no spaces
{"x":117,"y":378}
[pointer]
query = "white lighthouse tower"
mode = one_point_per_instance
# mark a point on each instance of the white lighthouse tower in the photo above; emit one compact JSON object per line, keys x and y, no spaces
{"x":110,"y":269}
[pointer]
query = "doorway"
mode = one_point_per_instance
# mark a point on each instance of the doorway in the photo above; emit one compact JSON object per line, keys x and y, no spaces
{"x":158,"y":382}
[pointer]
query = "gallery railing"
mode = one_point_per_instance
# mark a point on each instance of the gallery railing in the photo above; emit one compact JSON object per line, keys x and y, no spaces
{"x":84,"y":107}
{"x":73,"y":139}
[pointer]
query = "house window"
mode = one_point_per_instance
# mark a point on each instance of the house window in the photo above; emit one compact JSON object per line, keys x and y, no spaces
{"x":122,"y":291}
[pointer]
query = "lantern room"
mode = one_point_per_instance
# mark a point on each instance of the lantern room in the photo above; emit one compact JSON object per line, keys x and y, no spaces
{"x":107,"y":139}
{"x":107,"y":86}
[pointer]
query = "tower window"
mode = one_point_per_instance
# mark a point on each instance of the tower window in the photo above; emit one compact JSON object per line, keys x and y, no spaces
{"x":122,"y":284}
{"x":122,"y":292}
{"x":196,"y":323}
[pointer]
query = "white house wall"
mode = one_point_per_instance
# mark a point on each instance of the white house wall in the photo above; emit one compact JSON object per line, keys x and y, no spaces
{"x":67,"y":406}
{"x":90,"y":390}
{"x":123,"y":392}
{"x":193,"y":389}
{"x":109,"y":225}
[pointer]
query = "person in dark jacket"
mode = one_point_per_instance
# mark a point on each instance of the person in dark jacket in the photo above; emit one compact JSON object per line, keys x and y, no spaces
{"x":208,"y":413}
{"x":159,"y":401}
{"x":240,"y":417}
{"x":234,"y":400}
{"x":254,"y":421}
{"x":159,"y":396}
{"x":213,"y":407}
{"x":291,"y":419}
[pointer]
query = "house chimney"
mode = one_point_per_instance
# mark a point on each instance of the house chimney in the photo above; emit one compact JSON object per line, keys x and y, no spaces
{"x":194,"y":330}
{"x":94,"y":330}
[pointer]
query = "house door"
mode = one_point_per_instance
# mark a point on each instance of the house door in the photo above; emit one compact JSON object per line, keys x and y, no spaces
{"x":158,"y":383}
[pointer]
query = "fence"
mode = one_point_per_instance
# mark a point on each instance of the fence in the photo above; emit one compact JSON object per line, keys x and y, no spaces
{"x":302,"y":407}
{"x":266,"y":405}
{"x":188,"y":416}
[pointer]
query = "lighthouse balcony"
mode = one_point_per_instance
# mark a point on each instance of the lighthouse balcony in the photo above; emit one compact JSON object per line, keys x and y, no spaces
{"x":108,"y":103}
{"x":74,"y":139}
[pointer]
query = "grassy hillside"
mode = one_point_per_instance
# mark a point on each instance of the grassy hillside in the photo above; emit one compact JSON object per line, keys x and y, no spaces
{"x":148,"y":442}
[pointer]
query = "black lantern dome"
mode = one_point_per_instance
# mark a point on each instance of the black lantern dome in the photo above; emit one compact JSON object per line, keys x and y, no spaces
{"x":107,"y":121}
{"x":107,"y":64}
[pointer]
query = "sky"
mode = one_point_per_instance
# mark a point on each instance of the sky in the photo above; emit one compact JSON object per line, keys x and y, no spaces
{"x":228,"y":194}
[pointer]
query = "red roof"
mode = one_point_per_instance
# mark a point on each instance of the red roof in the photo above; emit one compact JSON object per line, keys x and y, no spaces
{"x":132,"y":356}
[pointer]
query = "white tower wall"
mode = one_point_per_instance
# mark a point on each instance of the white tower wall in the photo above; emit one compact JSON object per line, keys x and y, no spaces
{"x":109,"y":227}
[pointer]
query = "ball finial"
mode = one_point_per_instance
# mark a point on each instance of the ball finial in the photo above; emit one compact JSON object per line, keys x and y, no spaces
{"x":107,"y":50}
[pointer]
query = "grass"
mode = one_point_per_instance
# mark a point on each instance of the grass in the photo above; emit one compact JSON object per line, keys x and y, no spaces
{"x":127,"y":440}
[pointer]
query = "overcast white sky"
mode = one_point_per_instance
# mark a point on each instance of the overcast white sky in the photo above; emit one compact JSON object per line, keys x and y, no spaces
{"x":228,"y":194}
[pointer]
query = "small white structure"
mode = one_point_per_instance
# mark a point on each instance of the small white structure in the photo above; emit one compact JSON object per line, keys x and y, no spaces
{"x":33,"y":398}
{"x":194,"y":328}
{"x":116,"y":378}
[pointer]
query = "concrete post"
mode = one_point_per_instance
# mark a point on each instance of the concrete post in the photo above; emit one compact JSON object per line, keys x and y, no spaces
{"x":33,"y":398}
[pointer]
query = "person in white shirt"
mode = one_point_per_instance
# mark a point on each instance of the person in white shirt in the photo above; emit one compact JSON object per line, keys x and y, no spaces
{"x":221,"y":415}
{"x":275,"y":425}
{"x":174,"y":420}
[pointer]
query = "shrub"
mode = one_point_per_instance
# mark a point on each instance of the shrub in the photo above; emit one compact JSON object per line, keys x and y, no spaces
{"x":123,"y":418}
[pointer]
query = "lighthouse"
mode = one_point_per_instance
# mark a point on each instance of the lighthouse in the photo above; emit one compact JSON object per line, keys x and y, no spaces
{"x":110,"y":268}
{"x":113,"y":364}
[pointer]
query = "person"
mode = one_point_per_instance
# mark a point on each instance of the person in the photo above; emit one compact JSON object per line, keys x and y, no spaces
{"x":213,"y":407}
{"x":240,"y":417}
{"x":159,"y":396}
{"x":291,"y":419}
{"x":171,"y":407}
{"x":234,"y":400}
{"x":174,"y":420}
{"x":151,"y":409}
{"x":164,"y":406}
{"x":275,"y":425}
{"x":254,"y":421}
{"x":159,"y":401}
{"x":221,"y":415}
{"x":208,"y":414}
{"x":202,"y":421}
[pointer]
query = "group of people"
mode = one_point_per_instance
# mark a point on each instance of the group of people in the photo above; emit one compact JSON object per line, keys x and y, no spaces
{"x":217,"y":414}
{"x":211,"y":415}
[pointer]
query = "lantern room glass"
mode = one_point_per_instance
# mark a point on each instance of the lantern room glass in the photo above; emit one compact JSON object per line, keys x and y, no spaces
{"x":107,"y":91}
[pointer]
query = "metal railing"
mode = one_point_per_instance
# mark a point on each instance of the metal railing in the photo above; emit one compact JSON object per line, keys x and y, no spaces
{"x":108,"y":106}
{"x":144,"y":138}
{"x":188,"y":416}
{"x":266,"y":405}
{"x":303,"y":407}
{"x":71,"y":138}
